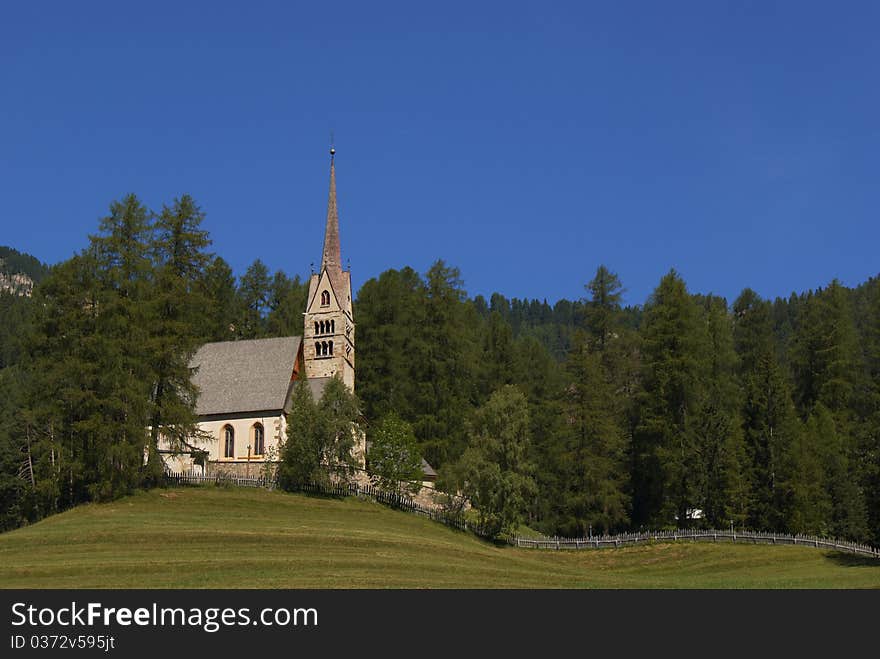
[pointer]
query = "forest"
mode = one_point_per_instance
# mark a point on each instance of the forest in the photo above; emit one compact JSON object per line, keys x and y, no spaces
{"x":585,"y":416}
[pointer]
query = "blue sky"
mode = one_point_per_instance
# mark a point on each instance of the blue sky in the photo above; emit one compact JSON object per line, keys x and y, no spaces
{"x":523,"y":143}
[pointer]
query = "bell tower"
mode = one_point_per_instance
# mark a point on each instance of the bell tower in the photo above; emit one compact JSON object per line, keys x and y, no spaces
{"x":328,"y":336}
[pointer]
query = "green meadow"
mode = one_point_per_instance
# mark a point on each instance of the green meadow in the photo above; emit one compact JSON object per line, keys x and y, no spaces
{"x":249,"y":538}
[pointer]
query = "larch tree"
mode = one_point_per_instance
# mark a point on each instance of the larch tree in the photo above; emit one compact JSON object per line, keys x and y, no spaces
{"x":177,"y":310}
{"x":667,"y":472}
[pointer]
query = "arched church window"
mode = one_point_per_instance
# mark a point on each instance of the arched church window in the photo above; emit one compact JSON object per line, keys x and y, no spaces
{"x":316,"y":328}
{"x":333,"y":327}
{"x":229,"y":442}
{"x":331,"y":347}
{"x":317,"y":349}
{"x":259,"y":442}
{"x":325,"y":298}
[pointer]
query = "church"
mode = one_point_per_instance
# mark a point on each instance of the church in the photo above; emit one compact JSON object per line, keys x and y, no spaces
{"x":245,"y":386}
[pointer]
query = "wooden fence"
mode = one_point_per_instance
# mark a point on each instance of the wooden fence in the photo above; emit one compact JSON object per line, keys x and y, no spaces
{"x":458,"y":520}
{"x":712,"y":535}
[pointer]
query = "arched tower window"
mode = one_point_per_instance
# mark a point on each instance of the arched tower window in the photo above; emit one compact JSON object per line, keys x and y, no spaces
{"x":228,"y":442}
{"x":316,"y":328}
{"x":259,"y":441}
{"x":331,"y":347}
{"x":325,"y":298}
{"x":333,"y":327}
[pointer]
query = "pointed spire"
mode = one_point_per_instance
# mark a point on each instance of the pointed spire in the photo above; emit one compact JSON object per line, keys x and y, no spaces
{"x":332,"y":258}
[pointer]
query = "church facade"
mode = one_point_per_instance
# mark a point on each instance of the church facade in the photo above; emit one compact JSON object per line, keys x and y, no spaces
{"x":245,"y":387}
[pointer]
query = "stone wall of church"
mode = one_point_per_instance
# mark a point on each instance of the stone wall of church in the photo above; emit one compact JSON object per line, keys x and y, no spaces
{"x":274,"y":429}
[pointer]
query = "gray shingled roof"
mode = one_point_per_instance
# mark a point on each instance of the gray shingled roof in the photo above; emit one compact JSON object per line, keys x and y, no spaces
{"x":244,"y":376}
{"x":428,"y":470}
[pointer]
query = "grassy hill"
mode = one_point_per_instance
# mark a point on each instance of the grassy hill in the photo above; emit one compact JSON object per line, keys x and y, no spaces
{"x":247,"y":538}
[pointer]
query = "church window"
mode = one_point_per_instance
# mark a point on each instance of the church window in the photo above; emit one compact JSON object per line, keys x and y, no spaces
{"x":259,"y":443}
{"x":316,"y":328}
{"x":333,"y":327}
{"x":229,"y":442}
{"x":331,"y":347}
{"x":325,"y":298}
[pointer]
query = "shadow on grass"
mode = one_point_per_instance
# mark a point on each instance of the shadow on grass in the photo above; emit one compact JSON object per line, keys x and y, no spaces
{"x":845,"y":559}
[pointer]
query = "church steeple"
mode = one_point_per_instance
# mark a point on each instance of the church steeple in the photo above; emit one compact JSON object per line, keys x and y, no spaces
{"x":328,"y":335}
{"x":331,"y":259}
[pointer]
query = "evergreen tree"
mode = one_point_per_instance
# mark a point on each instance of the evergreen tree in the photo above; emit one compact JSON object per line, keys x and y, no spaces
{"x":120,"y":370}
{"x":177,"y":314}
{"x":254,"y":293}
{"x":602,"y":310}
{"x":717,"y":429}
{"x":498,"y":357}
{"x":287,"y":299}
{"x":593,"y":464}
{"x":17,"y":478}
{"x":809,"y":506}
{"x":448,"y":374}
{"x":830,"y":382}
{"x":869,"y":454}
{"x":223,"y":310}
{"x":320,"y":436}
{"x":825,"y":352}
{"x":392,"y":346}
{"x":665,"y":460}
{"x":770,"y":424}
{"x":493,"y":472}
{"x":393,"y":459}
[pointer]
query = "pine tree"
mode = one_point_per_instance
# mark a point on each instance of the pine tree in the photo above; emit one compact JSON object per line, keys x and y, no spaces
{"x":770,"y":423}
{"x":119,"y":359}
{"x":666,"y":468}
{"x":602,"y":310}
{"x":86,"y":407}
{"x":254,"y":293}
{"x":717,"y":431}
{"x":302,"y":452}
{"x":392,"y":346}
{"x":869,"y":454}
{"x":321,"y":436}
{"x":448,"y":374}
{"x":287,"y":299}
{"x":593,"y":464}
{"x":177,"y":314}
{"x":223,"y":311}
{"x":830,"y":381}
{"x":498,"y":357}
{"x":825,"y":352}
{"x":808,"y":504}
